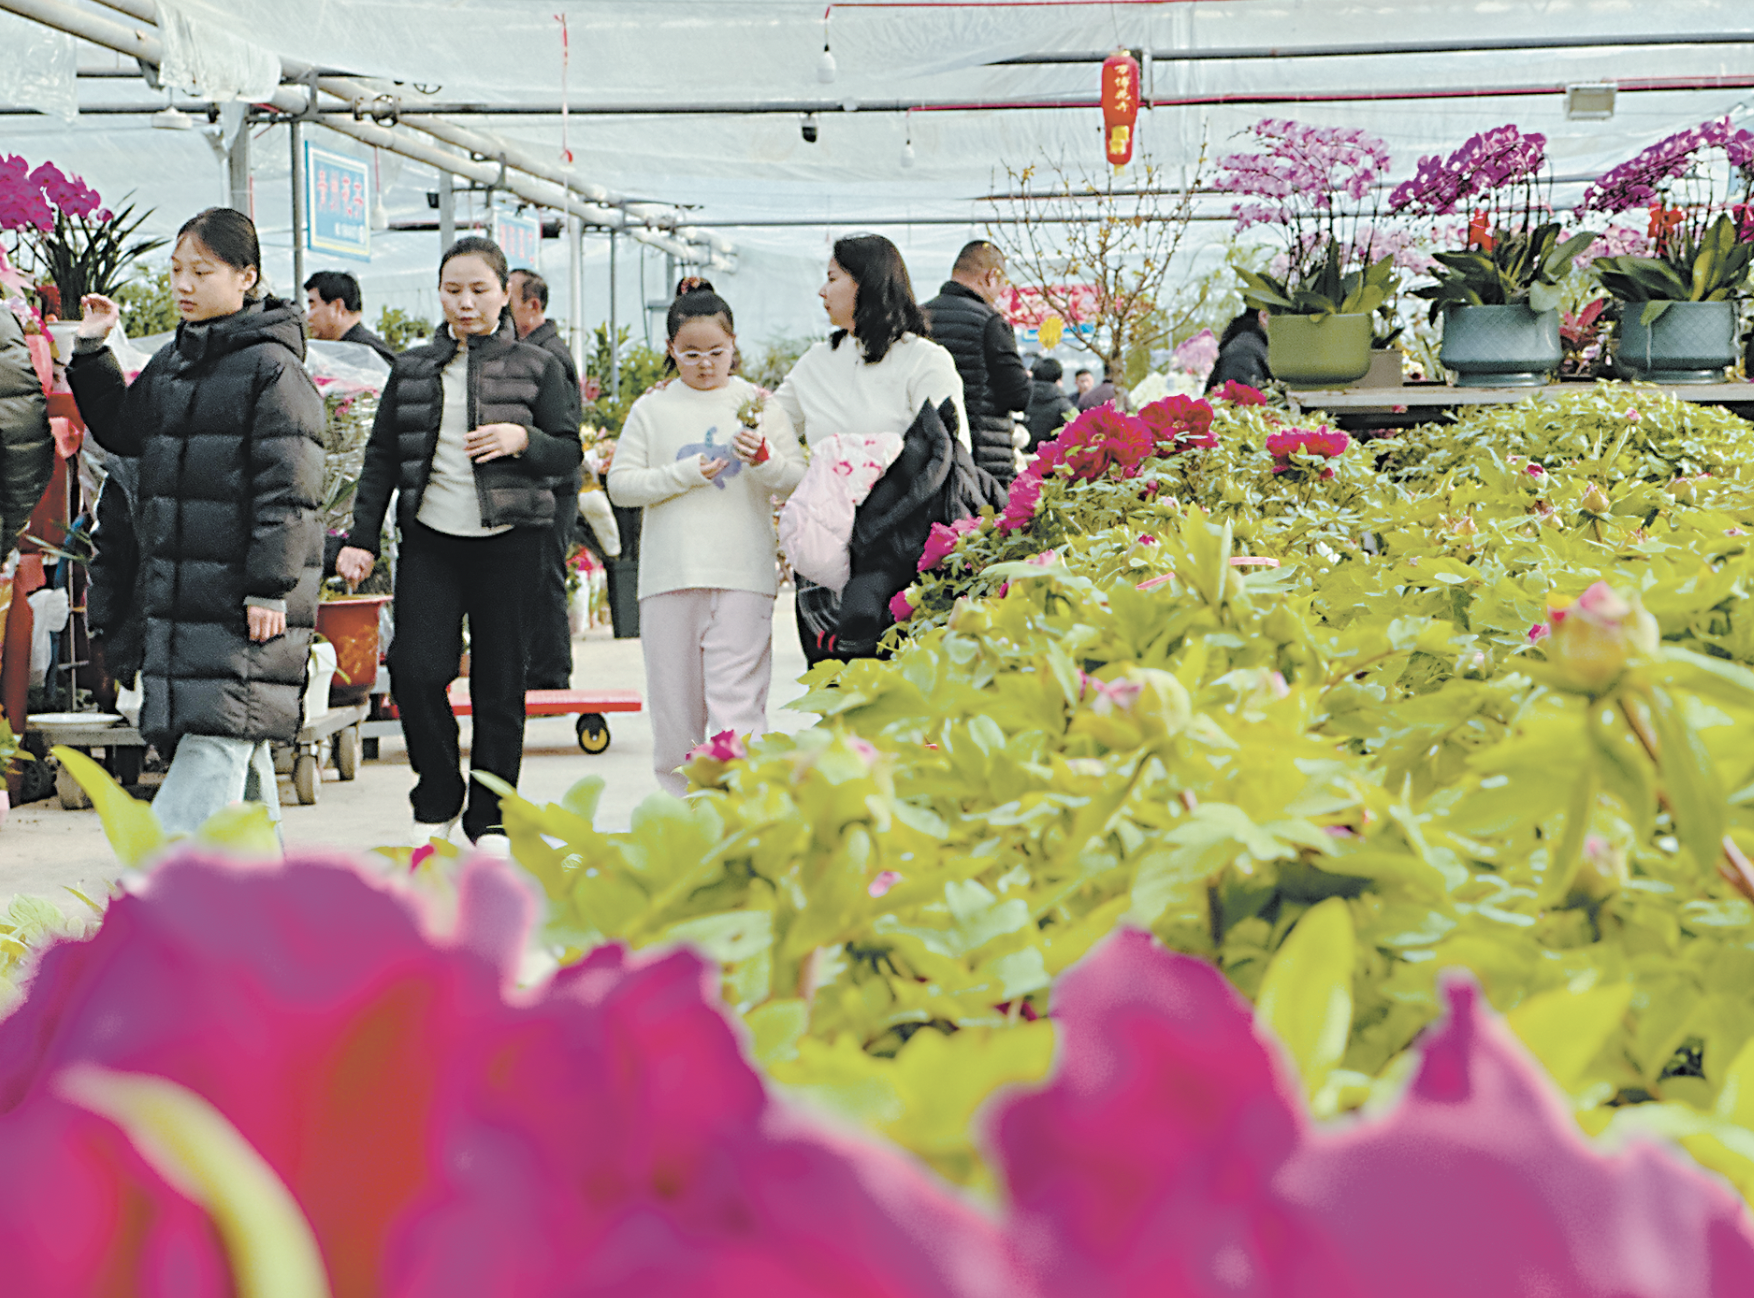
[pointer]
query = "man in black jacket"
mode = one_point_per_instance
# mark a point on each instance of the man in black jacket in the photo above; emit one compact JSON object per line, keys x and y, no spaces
{"x":334,"y":312}
{"x":994,"y":381}
{"x":550,"y":662}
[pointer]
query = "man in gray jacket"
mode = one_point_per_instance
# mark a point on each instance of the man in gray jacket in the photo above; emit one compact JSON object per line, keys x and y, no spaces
{"x":27,"y":451}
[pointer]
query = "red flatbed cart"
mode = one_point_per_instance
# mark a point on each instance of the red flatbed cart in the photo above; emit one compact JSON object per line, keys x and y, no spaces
{"x":587,"y":705}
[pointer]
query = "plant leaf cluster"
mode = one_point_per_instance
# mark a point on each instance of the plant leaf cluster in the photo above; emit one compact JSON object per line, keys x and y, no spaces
{"x":1327,"y":290}
{"x":1527,"y":267}
{"x":1712,"y":268}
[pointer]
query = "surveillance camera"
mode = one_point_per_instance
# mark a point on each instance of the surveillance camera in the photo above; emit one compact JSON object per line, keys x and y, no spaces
{"x":808,"y":128}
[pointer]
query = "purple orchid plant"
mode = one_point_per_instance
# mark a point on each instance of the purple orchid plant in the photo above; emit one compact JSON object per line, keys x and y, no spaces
{"x":64,"y":233}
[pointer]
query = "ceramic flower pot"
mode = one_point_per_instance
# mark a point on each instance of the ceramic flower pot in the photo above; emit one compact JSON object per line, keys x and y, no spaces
{"x":1318,"y":351}
{"x":1385,"y":369}
{"x":1690,"y":342}
{"x":1501,"y":346}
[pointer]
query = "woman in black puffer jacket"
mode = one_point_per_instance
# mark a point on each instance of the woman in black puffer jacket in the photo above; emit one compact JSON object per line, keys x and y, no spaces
{"x":228,"y":431}
{"x":472,"y":431}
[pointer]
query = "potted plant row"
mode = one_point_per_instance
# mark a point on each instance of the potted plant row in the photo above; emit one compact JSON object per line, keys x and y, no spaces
{"x":1678,"y":315}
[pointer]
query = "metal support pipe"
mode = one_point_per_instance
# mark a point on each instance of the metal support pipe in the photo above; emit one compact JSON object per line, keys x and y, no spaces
{"x":614,"y":329}
{"x":575,"y":251}
{"x":447,"y":212}
{"x":1367,"y":49}
{"x":298,"y":212}
{"x":237,"y":165}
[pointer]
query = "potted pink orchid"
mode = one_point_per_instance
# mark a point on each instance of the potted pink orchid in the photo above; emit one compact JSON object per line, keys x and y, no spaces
{"x":63,"y":233}
{"x":1319,"y":325}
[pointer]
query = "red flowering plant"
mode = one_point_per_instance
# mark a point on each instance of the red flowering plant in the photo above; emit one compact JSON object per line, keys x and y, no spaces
{"x":1702,"y":239}
{"x":63,"y":233}
{"x":1307,"y":450}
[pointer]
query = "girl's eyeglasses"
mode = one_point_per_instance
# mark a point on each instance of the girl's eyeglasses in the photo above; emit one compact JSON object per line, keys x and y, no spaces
{"x":713,"y":357}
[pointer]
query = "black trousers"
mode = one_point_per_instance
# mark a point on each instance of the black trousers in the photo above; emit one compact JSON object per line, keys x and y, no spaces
{"x":440,"y":579}
{"x":550,"y":665}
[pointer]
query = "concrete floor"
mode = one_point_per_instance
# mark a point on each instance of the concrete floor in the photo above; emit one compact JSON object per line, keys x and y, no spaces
{"x":43,"y":847}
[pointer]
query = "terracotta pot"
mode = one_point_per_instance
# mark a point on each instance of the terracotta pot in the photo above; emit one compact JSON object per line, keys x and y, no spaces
{"x":1325,"y":351}
{"x":351,"y":625}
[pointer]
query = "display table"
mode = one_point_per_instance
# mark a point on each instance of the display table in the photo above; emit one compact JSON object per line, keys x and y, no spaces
{"x":1419,"y":403}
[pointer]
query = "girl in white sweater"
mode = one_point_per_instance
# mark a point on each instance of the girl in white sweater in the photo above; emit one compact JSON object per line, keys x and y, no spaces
{"x":707,"y":571}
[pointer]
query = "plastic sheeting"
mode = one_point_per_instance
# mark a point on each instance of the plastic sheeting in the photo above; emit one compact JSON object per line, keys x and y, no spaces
{"x":758,"y":168}
{"x":210,"y":60}
{"x":37,"y":68}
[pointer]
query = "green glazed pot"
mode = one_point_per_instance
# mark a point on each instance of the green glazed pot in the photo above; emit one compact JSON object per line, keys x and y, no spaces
{"x":1311,"y":351}
{"x":1690,"y":342}
{"x":1500,"y":346}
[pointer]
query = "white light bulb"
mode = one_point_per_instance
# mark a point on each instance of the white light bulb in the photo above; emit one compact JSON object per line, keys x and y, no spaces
{"x":825,"y":67}
{"x":907,"y":154}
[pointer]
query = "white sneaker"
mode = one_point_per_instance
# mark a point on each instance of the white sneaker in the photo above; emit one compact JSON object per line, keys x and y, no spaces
{"x":422,"y":833}
{"x":497,"y":846}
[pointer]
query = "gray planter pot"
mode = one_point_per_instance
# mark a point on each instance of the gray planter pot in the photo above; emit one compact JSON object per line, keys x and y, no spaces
{"x":1500,"y":346}
{"x":1690,"y":342}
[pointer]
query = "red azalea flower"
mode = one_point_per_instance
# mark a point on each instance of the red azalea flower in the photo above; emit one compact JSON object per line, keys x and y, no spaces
{"x":1324,"y":442}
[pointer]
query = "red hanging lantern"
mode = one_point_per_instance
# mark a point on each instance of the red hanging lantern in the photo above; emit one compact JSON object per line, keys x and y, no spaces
{"x":1120,"y":105}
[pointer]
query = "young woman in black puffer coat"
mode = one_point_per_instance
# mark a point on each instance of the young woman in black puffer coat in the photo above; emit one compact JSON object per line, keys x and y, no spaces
{"x":227,"y":428}
{"x":472,"y":430}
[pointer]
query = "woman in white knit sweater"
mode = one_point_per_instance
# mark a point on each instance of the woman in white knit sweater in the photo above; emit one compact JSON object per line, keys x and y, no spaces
{"x":707,"y":557}
{"x":871,"y":376}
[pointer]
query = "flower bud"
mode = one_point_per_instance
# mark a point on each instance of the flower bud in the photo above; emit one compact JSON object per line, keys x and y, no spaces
{"x":1595,"y":500}
{"x":1600,"y":873}
{"x":1596,"y":638}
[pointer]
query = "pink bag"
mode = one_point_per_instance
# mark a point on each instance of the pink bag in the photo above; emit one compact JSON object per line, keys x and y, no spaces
{"x":816,"y":525}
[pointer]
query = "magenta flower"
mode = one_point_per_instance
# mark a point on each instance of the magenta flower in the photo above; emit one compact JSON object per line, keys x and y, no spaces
{"x":1485,"y":163}
{"x":1099,"y":439}
{"x":900,"y":606}
{"x":940,"y":544}
{"x":1325,"y":442}
{"x":726,"y":746}
{"x":883,"y":882}
{"x":1535,"y":471}
{"x":1240,"y":394}
{"x":1539,"y":632}
{"x":1179,"y":423}
{"x":1300,"y":167}
{"x":1021,"y":504}
{"x":1171,"y":1155}
{"x":600,"y":1134}
{"x":1643,"y":179}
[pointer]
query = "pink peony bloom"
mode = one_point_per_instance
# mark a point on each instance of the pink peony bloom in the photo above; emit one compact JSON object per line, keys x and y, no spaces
{"x":1240,"y":394}
{"x":1021,"y":504}
{"x":1325,"y":442}
{"x":1539,"y":632}
{"x":900,"y":607}
{"x":1171,"y":1155}
{"x":1632,"y":415}
{"x":599,"y":1134}
{"x":885,"y":880}
{"x":940,"y":544}
{"x":1535,"y":471}
{"x":1179,"y":423}
{"x":1145,"y":538}
{"x":726,"y":746}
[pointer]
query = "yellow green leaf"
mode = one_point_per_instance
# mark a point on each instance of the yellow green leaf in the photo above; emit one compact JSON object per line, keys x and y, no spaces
{"x":1565,"y":1030}
{"x":133,"y":831}
{"x":1306,"y":993}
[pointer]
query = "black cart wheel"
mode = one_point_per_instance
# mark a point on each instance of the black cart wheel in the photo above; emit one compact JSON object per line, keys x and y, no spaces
{"x":593,"y":732}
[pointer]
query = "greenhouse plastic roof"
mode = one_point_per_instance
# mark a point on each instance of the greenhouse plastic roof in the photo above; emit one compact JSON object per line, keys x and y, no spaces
{"x":758,"y":167}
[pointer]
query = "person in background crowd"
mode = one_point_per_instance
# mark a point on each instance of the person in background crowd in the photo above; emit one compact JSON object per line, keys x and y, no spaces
{"x":1082,"y":382}
{"x":1049,"y":406}
{"x":707,"y":571}
{"x":472,"y":432}
{"x":334,"y":312}
{"x":1242,"y":353}
{"x":1097,"y":393}
{"x":550,"y":641}
{"x":965,"y":320}
{"x":228,"y":430}
{"x":27,"y":450}
{"x":872,"y":376}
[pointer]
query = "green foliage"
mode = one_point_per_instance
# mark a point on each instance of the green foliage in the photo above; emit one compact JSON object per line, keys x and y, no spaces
{"x":1529,"y":267}
{"x":642,"y":368}
{"x":1334,"y":777}
{"x":82,"y":254}
{"x":401,"y":330}
{"x":148,"y":305}
{"x":1712,"y":269}
{"x":769,"y":367}
{"x":1326,"y":290}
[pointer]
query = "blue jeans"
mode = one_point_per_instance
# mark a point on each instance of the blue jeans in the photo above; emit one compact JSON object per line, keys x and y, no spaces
{"x":209,"y":773}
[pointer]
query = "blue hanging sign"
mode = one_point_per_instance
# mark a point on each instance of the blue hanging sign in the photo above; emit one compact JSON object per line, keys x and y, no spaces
{"x":520,"y":237}
{"x":337,"y":204}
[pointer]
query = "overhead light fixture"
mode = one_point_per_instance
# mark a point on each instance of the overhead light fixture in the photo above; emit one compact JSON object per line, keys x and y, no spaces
{"x":807,"y":128}
{"x":1590,"y":102}
{"x":907,"y":154}
{"x":172,"y":118}
{"x":825,"y":69}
